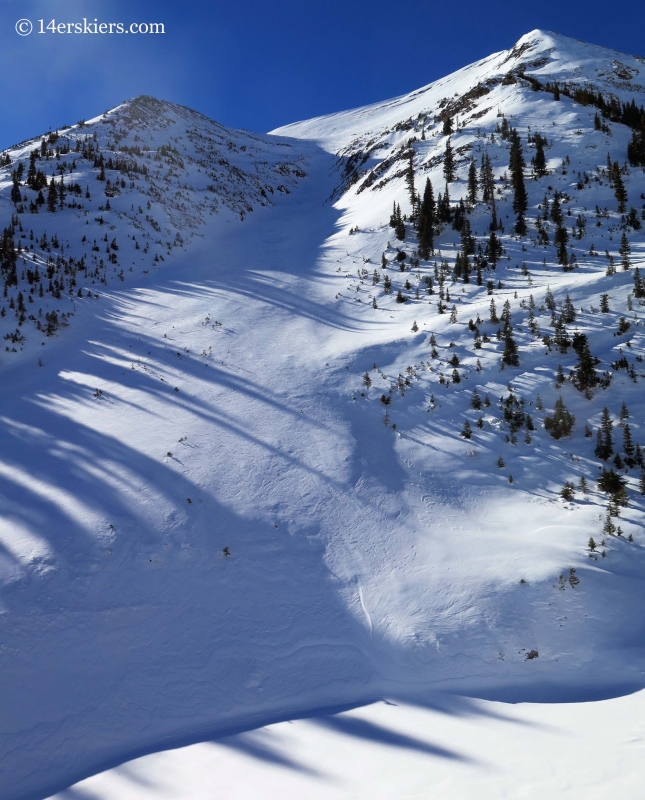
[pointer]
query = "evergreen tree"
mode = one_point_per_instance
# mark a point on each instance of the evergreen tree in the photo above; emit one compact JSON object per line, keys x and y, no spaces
{"x":619,"y":188}
{"x":625,"y":250}
{"x":584,"y":374}
{"x":506,"y":316}
{"x":399,"y":228}
{"x":31,"y":171}
{"x":639,"y":286}
{"x":493,"y":249}
{"x":636,"y":147}
{"x":473,"y":183}
{"x":608,"y":528}
{"x":486,"y":179}
{"x":467,"y":431}
{"x":16,"y":197}
{"x":493,"y":312}
{"x":447,"y":126}
{"x":427,"y":222}
{"x":556,"y":92}
{"x":449,"y":163}
{"x":628,"y":446}
{"x":520,"y":197}
{"x":561,"y":240}
{"x":604,"y":303}
{"x":568,"y":311}
{"x":556,"y":209}
{"x":52,"y":196}
{"x":409,"y":180}
{"x":459,"y":216}
{"x":444,"y":211}
{"x":614,"y":484}
{"x":467,"y":247}
{"x":561,"y":422}
{"x":604,"y":437}
{"x":510,"y":356}
{"x":539,"y":159}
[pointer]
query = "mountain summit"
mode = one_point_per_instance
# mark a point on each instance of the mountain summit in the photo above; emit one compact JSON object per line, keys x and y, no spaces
{"x":542,"y":55}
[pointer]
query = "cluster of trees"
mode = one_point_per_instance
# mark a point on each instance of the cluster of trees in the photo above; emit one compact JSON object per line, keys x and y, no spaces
{"x":35,"y":279}
{"x":396,"y":222}
{"x":539,"y":159}
{"x":86,"y":148}
{"x":553,"y":211}
{"x":429,"y":215}
{"x":605,"y":446}
{"x":612,"y":108}
{"x":584,"y":376}
{"x":636,"y":148}
{"x":510,"y":355}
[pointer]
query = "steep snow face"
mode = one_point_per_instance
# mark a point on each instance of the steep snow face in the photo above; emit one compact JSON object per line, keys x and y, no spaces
{"x":130,"y":188}
{"x":241,"y":485}
{"x":542,"y":54}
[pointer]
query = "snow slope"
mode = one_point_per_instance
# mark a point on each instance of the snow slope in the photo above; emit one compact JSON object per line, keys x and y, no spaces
{"x":206,"y":525}
{"x":453,"y":747}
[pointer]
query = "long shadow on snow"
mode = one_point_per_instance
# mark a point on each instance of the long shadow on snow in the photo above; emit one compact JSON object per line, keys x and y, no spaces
{"x":147,"y":648}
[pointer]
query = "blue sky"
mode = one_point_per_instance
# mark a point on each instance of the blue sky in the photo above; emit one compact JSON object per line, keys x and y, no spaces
{"x":258,"y":65}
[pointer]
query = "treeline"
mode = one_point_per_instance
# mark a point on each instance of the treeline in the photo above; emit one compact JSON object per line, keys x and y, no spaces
{"x":611,"y":108}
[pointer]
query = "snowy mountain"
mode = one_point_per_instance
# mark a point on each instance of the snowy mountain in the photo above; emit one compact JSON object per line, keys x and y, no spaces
{"x":283,"y":432}
{"x":542,"y":55}
{"x":122,"y":191}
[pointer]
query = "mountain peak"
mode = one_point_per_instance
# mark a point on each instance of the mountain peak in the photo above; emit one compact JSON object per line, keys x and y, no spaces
{"x":544,"y":55}
{"x":553,"y":55}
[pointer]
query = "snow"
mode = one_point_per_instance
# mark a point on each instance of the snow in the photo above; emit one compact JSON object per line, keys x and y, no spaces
{"x":454,"y":747}
{"x":206,"y":530}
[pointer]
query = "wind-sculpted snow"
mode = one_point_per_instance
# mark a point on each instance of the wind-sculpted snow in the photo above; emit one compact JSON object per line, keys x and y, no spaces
{"x":239,"y":486}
